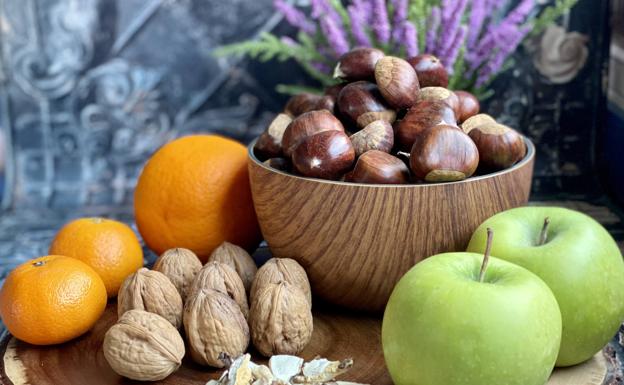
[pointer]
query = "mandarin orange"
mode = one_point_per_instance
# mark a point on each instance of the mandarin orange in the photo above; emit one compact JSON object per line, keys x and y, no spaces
{"x":110,"y":247}
{"x":51,"y":299}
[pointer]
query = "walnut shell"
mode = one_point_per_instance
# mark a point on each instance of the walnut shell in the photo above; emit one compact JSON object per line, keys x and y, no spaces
{"x":151,"y":291}
{"x":280,"y":319}
{"x":238,"y":259}
{"x":276,"y":270}
{"x":214,"y":324}
{"x":222,"y":278}
{"x":143,"y":346}
{"x":180,"y":266}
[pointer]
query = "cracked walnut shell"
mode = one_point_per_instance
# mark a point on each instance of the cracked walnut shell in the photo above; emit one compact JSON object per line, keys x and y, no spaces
{"x":180,"y":266}
{"x":222,"y":278}
{"x":237,"y":258}
{"x":276,"y":270}
{"x":214,"y":325}
{"x":143,"y":346}
{"x":151,"y":291}
{"x":280,"y":319}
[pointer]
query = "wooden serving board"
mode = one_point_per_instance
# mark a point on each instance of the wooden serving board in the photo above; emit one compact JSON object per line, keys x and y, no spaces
{"x":336,"y":336}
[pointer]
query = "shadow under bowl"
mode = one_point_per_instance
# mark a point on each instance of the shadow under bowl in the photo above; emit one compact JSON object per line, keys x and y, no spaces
{"x":357,"y":240}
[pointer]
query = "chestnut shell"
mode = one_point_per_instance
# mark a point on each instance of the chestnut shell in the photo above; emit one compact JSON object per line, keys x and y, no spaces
{"x":358,"y":64}
{"x":499,"y":146}
{"x":361,"y":103}
{"x":378,"y":167}
{"x":307,"y":124}
{"x":430,"y":70}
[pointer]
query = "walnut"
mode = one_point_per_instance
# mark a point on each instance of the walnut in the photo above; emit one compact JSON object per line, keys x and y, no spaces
{"x":214,"y":325}
{"x":282,"y":269}
{"x":151,"y":291}
{"x":238,"y":259}
{"x":143,"y":346}
{"x":221,"y":277}
{"x":180,"y":266}
{"x":280,"y":319}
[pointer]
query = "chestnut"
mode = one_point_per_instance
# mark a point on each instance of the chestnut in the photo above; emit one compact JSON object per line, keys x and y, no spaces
{"x":325,"y":155}
{"x":397,"y":82}
{"x":358,"y":64}
{"x":378,"y":167}
{"x":468,"y":105}
{"x":361,"y":103}
{"x":499,"y":146}
{"x":326,"y":102}
{"x":377,"y":135}
{"x":422,"y":116}
{"x":281,"y":164}
{"x":476,"y":121}
{"x":443,"y":154}
{"x":430,"y":70}
{"x":334,"y":90}
{"x":443,"y":94}
{"x":269,"y":143}
{"x":301,"y":103}
{"x":307,"y":124}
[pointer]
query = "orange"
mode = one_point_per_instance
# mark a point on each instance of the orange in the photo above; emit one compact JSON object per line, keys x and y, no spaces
{"x":111,"y":248}
{"x":194,"y":193}
{"x":51,"y":299}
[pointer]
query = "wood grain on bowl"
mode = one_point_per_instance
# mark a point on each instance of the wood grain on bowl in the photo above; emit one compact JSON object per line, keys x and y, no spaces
{"x":337,"y":335}
{"x":355,"y":240}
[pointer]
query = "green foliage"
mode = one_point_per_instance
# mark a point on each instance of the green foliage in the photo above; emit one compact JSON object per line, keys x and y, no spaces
{"x":550,"y":15}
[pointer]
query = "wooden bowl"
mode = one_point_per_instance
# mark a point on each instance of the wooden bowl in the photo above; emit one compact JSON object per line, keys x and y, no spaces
{"x":356,"y":240}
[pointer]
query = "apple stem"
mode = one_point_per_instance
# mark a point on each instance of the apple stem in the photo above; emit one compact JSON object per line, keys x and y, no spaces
{"x":486,"y":255}
{"x":544,"y":233}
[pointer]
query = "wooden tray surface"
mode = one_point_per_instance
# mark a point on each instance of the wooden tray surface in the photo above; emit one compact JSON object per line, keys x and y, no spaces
{"x":336,"y":336}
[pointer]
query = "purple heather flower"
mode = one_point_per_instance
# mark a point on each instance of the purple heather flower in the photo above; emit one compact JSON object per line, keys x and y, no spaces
{"x":295,"y":17}
{"x":496,"y":62}
{"x":520,"y":13}
{"x":450,"y":27}
{"x":453,"y":50}
{"x":477,"y":17}
{"x":323,"y":9}
{"x":380,"y":23}
{"x":433,"y":24}
{"x":335,"y":36}
{"x":365,"y":7}
{"x":447,"y":7}
{"x":410,"y":39}
{"x":358,"y":23}
{"x":399,"y":16}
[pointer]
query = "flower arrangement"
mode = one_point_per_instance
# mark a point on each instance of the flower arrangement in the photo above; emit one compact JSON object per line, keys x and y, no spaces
{"x":474,"y":39}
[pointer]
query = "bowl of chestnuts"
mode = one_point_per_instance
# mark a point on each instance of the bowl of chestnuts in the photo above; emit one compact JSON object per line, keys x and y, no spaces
{"x":382,"y":170}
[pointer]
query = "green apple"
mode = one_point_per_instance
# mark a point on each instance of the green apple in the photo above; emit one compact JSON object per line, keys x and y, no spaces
{"x":443,"y":325}
{"x":578,"y":260}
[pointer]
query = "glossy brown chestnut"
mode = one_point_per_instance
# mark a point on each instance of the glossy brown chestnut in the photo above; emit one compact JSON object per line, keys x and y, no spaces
{"x":468,"y":106}
{"x":443,"y":154}
{"x":269,"y":144}
{"x":301,"y":103}
{"x":334,"y":90}
{"x":378,"y":167}
{"x":361,"y":103}
{"x":422,"y":116}
{"x":281,"y":164}
{"x":397,"y":82}
{"x":430,"y":70}
{"x":326,"y":102}
{"x":307,"y":124}
{"x":476,"y":121}
{"x":499,"y":146}
{"x":358,"y":64}
{"x":377,"y":135}
{"x":443,"y":94}
{"x":326,"y":155}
